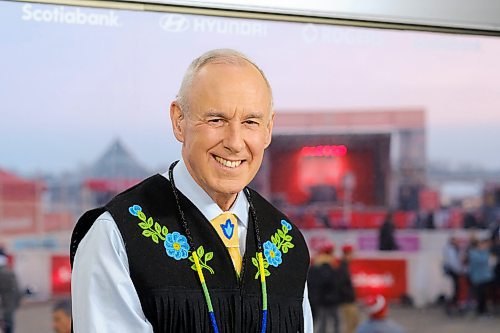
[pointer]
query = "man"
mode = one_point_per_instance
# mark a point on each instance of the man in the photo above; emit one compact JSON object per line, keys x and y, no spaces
{"x":61,"y":317}
{"x":453,"y":268}
{"x":348,"y":308}
{"x":9,"y":295}
{"x":195,"y":250}
{"x":387,"y":241}
{"x":325,"y":289}
{"x":378,"y":322}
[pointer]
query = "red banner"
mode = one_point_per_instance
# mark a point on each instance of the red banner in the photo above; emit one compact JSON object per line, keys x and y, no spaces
{"x":61,"y":275}
{"x":379,"y":276}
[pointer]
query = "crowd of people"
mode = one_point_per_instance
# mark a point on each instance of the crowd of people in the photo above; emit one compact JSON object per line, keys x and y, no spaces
{"x":473,"y":266}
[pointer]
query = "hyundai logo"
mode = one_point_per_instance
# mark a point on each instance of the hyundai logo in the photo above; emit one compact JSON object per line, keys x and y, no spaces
{"x":174,"y":23}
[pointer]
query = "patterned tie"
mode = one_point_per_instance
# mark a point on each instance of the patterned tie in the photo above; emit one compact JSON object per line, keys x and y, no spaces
{"x":227,"y":228}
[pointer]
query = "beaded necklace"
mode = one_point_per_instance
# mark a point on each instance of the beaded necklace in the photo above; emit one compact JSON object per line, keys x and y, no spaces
{"x":201,"y":277}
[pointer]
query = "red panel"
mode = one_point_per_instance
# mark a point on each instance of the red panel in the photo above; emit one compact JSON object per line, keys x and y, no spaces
{"x":61,"y":275}
{"x":379,"y":276}
{"x":292,"y":173}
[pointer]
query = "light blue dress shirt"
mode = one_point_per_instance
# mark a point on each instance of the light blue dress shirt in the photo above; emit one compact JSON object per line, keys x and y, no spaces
{"x":104,"y":297}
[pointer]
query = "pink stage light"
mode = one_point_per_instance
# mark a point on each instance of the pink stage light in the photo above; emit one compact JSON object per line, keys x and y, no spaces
{"x":324,"y":151}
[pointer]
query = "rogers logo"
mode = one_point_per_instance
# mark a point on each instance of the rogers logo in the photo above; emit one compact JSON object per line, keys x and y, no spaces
{"x":310,"y":33}
{"x":174,"y":23}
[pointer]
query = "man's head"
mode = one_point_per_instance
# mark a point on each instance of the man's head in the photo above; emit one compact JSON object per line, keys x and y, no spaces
{"x":347,"y":251}
{"x":61,"y":317}
{"x":3,"y":258}
{"x":223,"y":117}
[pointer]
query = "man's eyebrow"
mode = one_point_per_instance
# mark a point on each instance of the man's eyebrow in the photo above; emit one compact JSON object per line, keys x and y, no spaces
{"x":214,"y":113}
{"x":254,"y":116}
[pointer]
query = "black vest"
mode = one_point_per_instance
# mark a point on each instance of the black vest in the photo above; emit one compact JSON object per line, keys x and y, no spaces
{"x":168,"y":287}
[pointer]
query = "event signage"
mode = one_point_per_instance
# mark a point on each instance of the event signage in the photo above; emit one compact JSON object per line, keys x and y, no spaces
{"x":379,"y":276}
{"x":479,"y":14}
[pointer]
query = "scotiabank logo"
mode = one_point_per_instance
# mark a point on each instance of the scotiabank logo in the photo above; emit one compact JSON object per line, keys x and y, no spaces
{"x":69,"y":15}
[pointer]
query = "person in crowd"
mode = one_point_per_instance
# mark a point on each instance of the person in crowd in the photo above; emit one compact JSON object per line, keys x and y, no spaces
{"x":480,"y":273}
{"x":195,"y":249}
{"x":495,"y":252}
{"x":324,"y":289}
{"x":61,"y":316}
{"x":349,"y":313}
{"x":10,"y":295}
{"x":387,"y":241}
{"x":378,"y":321}
{"x":454,"y":269}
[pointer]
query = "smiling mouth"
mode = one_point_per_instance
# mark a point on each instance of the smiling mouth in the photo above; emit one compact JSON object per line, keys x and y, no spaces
{"x":227,"y":163}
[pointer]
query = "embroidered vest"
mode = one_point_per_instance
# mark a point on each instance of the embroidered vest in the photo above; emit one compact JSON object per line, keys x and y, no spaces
{"x":163,"y":272}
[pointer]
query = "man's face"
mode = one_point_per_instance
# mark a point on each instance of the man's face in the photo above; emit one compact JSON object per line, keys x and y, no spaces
{"x":227,"y":127}
{"x":61,"y":322}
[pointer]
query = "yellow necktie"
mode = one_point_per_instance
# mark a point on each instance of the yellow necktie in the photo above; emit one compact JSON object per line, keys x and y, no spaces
{"x":227,"y":228}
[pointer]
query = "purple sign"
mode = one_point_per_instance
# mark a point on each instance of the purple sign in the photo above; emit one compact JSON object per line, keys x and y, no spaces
{"x":408,"y":243}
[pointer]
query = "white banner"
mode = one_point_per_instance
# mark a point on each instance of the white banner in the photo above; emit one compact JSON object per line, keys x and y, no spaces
{"x":478,"y":14}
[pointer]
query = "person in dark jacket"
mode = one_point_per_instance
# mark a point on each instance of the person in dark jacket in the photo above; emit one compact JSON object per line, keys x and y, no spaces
{"x":387,"y":242}
{"x":9,"y":294}
{"x":324,"y":289}
{"x":349,"y":313}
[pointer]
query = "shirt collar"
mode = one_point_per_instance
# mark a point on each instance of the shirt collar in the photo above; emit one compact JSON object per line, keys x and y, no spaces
{"x":191,"y":190}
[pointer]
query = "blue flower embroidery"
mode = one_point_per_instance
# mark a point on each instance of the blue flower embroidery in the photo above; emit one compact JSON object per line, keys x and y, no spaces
{"x":134,"y":209}
{"x":272,"y":254}
{"x":176,"y":246}
{"x":286,"y":224}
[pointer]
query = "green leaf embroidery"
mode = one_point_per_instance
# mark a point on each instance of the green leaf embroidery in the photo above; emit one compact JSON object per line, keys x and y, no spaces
{"x":203,"y":258}
{"x":282,"y":241}
{"x":281,"y":234}
{"x":155,"y":238}
{"x":156,"y":231}
{"x":276,"y":240}
{"x":255,"y":263}
{"x":200,"y":252}
{"x":141,"y":216}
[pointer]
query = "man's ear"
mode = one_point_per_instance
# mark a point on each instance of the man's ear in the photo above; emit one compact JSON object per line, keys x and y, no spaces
{"x":176,"y":117}
{"x":269,"y":130}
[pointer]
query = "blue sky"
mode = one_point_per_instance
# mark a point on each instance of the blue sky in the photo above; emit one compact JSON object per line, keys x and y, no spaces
{"x":67,"y":90}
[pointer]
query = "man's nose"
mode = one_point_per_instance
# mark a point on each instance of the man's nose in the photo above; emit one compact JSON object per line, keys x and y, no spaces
{"x":233,"y":139}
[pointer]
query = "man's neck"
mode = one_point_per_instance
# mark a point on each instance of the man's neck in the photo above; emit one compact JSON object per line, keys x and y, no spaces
{"x":224,"y":200}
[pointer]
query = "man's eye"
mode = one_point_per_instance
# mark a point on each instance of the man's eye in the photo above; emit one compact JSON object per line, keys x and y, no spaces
{"x":251,"y":122}
{"x":215,"y":121}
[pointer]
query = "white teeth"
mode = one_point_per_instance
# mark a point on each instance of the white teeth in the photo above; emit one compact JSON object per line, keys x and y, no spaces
{"x":229,"y":164}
